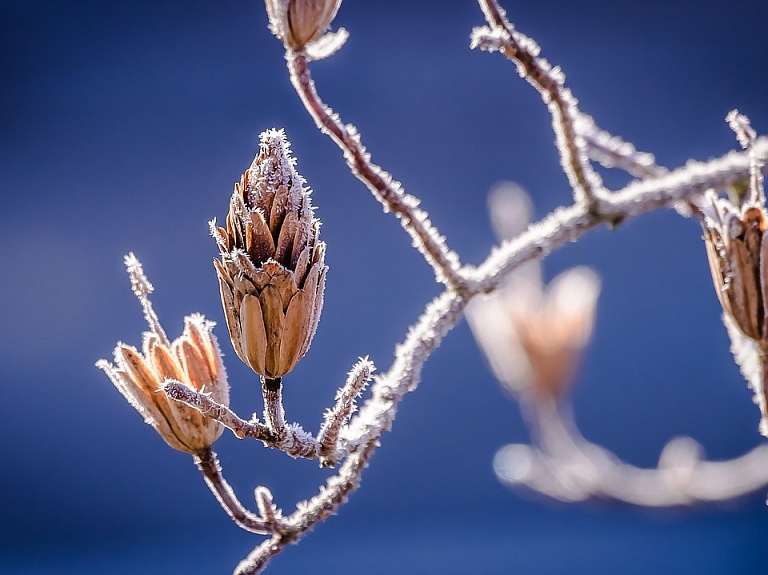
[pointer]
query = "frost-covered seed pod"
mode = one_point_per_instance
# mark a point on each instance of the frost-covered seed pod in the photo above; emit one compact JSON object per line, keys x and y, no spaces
{"x":299,"y":22}
{"x":736,"y":248}
{"x":272,"y":268}
{"x":193,"y":358}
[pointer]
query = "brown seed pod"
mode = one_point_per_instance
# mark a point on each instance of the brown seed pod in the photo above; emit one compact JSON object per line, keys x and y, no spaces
{"x":736,"y":248}
{"x":193,"y":358}
{"x":272,"y":268}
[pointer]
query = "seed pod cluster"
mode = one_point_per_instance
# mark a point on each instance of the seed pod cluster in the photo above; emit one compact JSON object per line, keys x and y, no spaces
{"x":272,"y":268}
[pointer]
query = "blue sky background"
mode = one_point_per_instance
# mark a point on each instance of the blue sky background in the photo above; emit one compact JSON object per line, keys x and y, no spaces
{"x":123,"y":126}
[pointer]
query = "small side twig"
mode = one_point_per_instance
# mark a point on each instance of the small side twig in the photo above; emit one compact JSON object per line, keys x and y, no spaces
{"x":228,"y":418}
{"x":328,"y":436}
{"x":613,"y":152}
{"x":308,"y":513}
{"x":208,"y":464}
{"x":550,"y":82}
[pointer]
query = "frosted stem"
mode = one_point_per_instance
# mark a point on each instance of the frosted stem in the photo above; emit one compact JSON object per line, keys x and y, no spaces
{"x":613,"y":152}
{"x":550,"y":82}
{"x":345,"y":404}
{"x":390,"y":193}
{"x":208,"y":463}
{"x":274,"y":414}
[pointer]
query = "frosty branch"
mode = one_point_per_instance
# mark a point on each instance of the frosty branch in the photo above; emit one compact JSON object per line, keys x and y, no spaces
{"x":272,"y":270}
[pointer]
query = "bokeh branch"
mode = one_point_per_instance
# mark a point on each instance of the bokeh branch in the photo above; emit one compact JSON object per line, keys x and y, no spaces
{"x":565,"y":466}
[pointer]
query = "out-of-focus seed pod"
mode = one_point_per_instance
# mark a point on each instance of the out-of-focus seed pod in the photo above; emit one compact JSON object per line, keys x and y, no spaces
{"x":299,"y":22}
{"x":193,"y":358}
{"x":532,"y":336}
{"x":272,"y":269}
{"x":534,"y":339}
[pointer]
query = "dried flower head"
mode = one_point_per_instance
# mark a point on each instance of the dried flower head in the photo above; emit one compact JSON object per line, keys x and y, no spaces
{"x":193,"y":358}
{"x":533,"y":337}
{"x":300,"y":22}
{"x":272,"y":268}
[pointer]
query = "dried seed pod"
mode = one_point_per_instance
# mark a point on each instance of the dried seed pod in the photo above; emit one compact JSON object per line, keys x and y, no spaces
{"x":193,"y":358}
{"x":272,"y":268}
{"x":299,"y":22}
{"x":736,"y":248}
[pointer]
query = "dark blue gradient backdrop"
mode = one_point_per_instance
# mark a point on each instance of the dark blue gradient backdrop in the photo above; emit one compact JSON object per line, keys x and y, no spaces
{"x":123,"y":126}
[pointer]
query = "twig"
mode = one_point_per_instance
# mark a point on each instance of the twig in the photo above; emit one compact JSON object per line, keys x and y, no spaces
{"x":345,"y":406}
{"x":568,"y":224}
{"x":208,"y":463}
{"x":390,"y":193}
{"x":308,"y":513}
{"x":550,"y":82}
{"x":612,"y":152}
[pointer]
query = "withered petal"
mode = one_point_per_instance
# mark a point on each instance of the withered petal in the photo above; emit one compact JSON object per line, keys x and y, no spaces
{"x":196,"y":369}
{"x":743,"y":291}
{"x":301,"y":237}
{"x":253,"y":339}
{"x":314,"y":290}
{"x":165,"y":363}
{"x":285,"y":239}
{"x":294,"y":332}
{"x":274,"y":319}
{"x":277,"y":213}
{"x":263,"y":243}
{"x":140,"y":373}
{"x":302,"y":265}
{"x":284,"y":281}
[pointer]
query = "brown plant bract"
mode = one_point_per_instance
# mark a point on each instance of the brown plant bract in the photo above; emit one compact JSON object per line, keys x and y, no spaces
{"x":272,"y":268}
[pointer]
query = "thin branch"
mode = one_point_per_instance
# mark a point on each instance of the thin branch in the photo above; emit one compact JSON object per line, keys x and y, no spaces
{"x":221,"y":413}
{"x":567,"y":467}
{"x":389,"y":192}
{"x":568,"y":224}
{"x":550,"y":82}
{"x":208,"y":463}
{"x":332,"y":495}
{"x":612,"y":152}
{"x":141,"y":289}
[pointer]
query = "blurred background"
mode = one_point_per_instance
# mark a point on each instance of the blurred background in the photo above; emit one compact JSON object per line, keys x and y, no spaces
{"x":123,"y":126}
